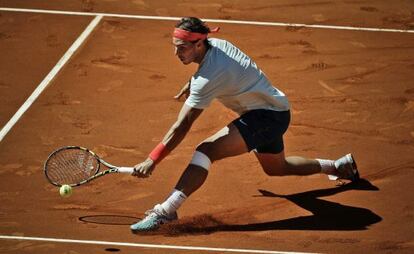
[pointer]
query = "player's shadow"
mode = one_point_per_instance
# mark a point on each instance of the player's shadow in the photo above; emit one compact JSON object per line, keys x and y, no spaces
{"x":326,"y":215}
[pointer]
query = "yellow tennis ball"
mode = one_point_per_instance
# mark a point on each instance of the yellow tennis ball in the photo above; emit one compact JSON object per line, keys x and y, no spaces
{"x":65,"y":190}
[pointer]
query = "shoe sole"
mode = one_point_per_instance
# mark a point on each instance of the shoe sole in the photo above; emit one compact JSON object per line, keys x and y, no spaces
{"x":146,"y":230}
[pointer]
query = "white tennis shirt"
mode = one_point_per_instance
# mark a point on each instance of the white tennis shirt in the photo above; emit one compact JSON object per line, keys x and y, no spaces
{"x":229,"y":75}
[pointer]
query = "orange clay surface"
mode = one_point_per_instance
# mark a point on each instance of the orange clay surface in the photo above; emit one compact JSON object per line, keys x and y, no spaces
{"x":351,"y":91}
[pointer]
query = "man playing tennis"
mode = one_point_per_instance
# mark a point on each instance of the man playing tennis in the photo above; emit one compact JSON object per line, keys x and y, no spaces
{"x":229,"y":75}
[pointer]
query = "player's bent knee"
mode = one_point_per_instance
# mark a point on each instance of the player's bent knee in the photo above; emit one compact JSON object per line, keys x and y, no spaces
{"x":209,"y":150}
{"x":200,"y":159}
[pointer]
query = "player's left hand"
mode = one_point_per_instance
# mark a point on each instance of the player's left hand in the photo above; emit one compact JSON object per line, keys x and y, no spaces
{"x":144,"y":169}
{"x":185,"y":90}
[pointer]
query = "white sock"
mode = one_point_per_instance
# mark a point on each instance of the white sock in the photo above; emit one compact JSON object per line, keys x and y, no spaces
{"x":326,"y":165}
{"x":174,"y":201}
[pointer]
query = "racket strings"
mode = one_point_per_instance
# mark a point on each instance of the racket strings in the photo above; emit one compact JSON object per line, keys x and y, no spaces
{"x":71,"y":166}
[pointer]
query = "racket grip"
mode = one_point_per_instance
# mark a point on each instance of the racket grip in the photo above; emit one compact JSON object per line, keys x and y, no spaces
{"x":126,"y":170}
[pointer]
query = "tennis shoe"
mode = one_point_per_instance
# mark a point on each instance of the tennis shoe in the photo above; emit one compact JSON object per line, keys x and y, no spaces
{"x":346,"y":168}
{"x":153,"y":220}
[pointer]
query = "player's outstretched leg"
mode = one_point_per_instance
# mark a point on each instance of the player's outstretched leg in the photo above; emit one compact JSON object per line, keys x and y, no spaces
{"x":279,"y":165}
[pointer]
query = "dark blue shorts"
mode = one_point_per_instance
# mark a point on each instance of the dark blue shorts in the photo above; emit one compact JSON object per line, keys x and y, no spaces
{"x":263,"y":130}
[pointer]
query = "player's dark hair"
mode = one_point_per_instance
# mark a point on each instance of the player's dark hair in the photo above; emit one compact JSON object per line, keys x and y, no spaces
{"x":195,"y":25}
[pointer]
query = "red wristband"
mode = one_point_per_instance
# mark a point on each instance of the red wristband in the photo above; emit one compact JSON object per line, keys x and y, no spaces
{"x":158,"y":153}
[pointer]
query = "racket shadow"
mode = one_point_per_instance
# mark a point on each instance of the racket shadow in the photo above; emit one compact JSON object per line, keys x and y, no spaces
{"x":109,"y":219}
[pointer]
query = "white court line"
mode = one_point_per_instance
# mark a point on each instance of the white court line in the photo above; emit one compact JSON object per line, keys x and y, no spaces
{"x":49,"y":77}
{"x":240,"y":22}
{"x":151,"y":246}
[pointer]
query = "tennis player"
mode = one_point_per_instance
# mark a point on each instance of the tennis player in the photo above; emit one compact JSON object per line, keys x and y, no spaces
{"x":229,"y":75}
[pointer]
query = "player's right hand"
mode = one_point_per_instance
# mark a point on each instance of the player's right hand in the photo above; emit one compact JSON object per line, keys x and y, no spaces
{"x":144,"y":169}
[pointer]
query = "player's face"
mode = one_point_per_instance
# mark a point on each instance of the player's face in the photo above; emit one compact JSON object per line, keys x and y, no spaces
{"x":186,"y":51}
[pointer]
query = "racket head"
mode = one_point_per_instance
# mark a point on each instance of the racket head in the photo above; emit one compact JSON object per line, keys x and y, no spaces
{"x":71,"y":165}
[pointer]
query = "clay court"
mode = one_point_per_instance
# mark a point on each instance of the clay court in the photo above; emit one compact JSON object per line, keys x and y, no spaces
{"x":351,"y":90}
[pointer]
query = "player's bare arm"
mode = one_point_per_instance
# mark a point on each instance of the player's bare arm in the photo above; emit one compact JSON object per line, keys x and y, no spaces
{"x":172,"y":139}
{"x":180,"y":128}
{"x":185,"y":90}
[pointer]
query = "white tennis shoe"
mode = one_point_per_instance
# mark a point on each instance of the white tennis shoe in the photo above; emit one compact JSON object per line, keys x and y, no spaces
{"x":154,"y":219}
{"x":346,"y":168}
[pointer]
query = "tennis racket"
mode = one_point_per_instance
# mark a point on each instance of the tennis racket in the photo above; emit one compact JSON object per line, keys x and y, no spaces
{"x":75,"y":165}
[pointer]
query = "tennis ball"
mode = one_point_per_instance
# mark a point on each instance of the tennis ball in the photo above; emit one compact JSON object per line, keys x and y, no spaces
{"x":65,"y":190}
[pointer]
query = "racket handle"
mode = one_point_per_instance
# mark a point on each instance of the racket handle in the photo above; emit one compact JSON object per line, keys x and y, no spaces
{"x":126,"y":170}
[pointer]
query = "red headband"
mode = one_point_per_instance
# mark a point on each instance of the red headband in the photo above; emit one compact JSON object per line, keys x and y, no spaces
{"x":191,"y":36}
